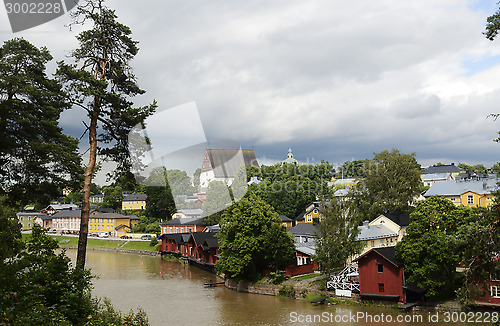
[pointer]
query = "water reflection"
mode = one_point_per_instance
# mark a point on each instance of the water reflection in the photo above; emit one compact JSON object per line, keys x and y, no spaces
{"x":172,"y":293}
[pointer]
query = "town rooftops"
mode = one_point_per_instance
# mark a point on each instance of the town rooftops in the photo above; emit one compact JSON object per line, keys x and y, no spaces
{"x":29,"y":214}
{"x":114,"y":215}
{"x":136,"y":197}
{"x":304,"y":229}
{"x":60,"y":207}
{"x":184,"y":221}
{"x":389,"y":253}
{"x":455,"y":188}
{"x":225,"y":162}
{"x":284,"y":218}
{"x":442,"y":169}
{"x":68,"y":213}
{"x":370,"y":232}
{"x":190,"y":212}
{"x":308,"y":248}
{"x":436,"y":176}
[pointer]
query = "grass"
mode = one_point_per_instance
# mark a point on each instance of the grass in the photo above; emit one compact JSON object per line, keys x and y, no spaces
{"x":304,"y":277}
{"x":131,"y":245}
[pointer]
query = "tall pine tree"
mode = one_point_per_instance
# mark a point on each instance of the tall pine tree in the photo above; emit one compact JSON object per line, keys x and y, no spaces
{"x":102,"y":83}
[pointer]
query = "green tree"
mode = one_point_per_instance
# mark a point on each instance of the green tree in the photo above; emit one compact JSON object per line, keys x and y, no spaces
{"x":103,"y":86}
{"x":353,"y":168}
{"x":36,"y":158}
{"x":336,"y":240}
{"x":252,"y":239}
{"x":113,"y":196}
{"x":430,"y":249}
{"x":391,"y":183}
{"x":218,"y":199}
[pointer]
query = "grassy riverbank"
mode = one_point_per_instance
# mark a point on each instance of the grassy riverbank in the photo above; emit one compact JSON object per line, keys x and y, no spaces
{"x":101,"y":243}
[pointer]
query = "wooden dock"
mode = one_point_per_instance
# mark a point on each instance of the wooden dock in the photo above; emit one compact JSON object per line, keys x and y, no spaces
{"x":408,"y":306}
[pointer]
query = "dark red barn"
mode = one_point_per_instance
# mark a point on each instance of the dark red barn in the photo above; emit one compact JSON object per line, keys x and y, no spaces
{"x":380,"y":275}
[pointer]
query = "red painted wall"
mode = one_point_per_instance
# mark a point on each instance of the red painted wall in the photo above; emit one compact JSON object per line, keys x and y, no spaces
{"x":369,"y":277}
{"x":487,"y":297}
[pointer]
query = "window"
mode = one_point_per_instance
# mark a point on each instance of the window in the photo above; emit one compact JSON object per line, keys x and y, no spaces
{"x":309,"y":218}
{"x":176,"y":230}
{"x":182,"y":230}
{"x":381,"y":287}
{"x":29,"y":225}
{"x":470,"y":199}
{"x":190,"y":230}
{"x":380,"y":268}
{"x":171,"y":229}
{"x":495,"y":292}
{"x":315,"y":211}
{"x":29,"y":218}
{"x":381,"y":242}
{"x":21,"y":218}
{"x":373,"y":243}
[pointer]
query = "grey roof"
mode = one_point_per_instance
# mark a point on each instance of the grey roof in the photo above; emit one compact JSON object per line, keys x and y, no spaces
{"x":212,"y":228}
{"x":455,"y":188}
{"x":341,"y":192}
{"x":58,"y":207}
{"x":305,"y":229}
{"x":225,"y":162}
{"x":435,"y":176}
{"x":190,"y":212}
{"x":68,"y":213}
{"x":452,"y":168}
{"x":136,"y":197}
{"x":369,"y":232}
{"x":114,"y":215}
{"x":29,"y":214}
{"x":45,"y":217}
{"x":184,"y":221}
{"x":285,"y":218}
{"x":308,"y":248}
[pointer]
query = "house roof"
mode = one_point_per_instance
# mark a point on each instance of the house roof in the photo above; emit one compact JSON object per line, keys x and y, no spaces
{"x":190,"y":212}
{"x":402,"y":219}
{"x":29,"y":214}
{"x":456,"y":188}
{"x":369,"y":232}
{"x":389,"y":253}
{"x":184,"y":221}
{"x":45,"y":217}
{"x":200,"y":238}
{"x":305,"y":229}
{"x":452,"y":168}
{"x":105,"y":209}
{"x":212,"y":228}
{"x":285,"y":218}
{"x":225,"y":162}
{"x":135,"y":197}
{"x":308,"y":248}
{"x":68,"y":213}
{"x":114,"y":215}
{"x":58,"y":207}
{"x":435,"y":176}
{"x":341,"y":192}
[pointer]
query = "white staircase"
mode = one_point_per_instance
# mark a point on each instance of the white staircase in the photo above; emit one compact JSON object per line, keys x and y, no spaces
{"x":341,"y":283}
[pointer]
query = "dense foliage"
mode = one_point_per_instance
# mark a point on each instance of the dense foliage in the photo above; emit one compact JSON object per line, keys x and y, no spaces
{"x":337,"y":236}
{"x":36,"y":158}
{"x":252,"y":240}
{"x":391,"y":184}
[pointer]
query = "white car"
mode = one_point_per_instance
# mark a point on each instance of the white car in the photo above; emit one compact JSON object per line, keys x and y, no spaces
{"x":103,"y":235}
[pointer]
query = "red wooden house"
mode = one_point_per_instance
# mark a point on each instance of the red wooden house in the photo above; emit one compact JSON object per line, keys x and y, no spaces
{"x":491,"y":295}
{"x":380,"y":275}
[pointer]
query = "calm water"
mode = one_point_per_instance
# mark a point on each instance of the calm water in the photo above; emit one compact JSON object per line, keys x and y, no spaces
{"x":172,"y":293}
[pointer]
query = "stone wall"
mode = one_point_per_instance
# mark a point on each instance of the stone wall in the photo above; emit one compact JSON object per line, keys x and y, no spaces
{"x":267,"y":289}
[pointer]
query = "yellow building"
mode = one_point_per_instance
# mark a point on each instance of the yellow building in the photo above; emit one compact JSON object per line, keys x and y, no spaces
{"x":286,"y":221}
{"x":472,"y":193}
{"x":310,"y":215}
{"x":134,"y":202}
{"x":112,"y":223}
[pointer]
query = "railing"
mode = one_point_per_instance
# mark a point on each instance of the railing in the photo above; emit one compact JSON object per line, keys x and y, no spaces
{"x":340,"y":281}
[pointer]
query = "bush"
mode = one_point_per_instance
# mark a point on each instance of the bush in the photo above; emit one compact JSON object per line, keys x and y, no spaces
{"x":278,"y":277}
{"x":287,"y":291}
{"x":153,"y":242}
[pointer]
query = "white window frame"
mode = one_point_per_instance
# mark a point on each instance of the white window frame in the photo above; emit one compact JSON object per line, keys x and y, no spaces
{"x":495,"y":291}
{"x":309,"y":218}
{"x":470,"y":199}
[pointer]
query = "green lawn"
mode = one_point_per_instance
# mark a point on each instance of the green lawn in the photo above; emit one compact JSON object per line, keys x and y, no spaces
{"x":305,"y":277}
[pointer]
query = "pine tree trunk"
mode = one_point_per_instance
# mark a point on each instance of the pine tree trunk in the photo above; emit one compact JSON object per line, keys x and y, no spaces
{"x":84,"y":221}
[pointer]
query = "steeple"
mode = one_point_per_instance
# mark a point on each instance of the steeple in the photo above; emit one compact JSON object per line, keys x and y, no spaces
{"x":289,"y":158}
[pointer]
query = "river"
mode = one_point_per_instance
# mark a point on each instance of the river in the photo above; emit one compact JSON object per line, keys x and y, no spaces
{"x":172,"y":293}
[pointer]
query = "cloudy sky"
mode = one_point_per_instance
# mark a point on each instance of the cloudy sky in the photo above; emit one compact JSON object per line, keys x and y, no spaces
{"x":334,"y":80}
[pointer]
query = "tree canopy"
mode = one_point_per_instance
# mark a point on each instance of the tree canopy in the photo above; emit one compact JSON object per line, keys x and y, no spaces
{"x":252,"y":239}
{"x":430,"y":248}
{"x":391,"y":184}
{"x":337,"y":236}
{"x":36,"y":158}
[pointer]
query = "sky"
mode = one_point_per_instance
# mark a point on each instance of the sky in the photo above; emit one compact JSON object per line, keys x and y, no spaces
{"x":333,"y":80}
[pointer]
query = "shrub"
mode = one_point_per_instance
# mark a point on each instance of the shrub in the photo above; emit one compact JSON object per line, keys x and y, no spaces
{"x":287,"y":291}
{"x":278,"y":277}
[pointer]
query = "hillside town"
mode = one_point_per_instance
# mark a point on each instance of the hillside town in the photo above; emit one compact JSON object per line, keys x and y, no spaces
{"x":373,"y":272}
